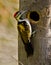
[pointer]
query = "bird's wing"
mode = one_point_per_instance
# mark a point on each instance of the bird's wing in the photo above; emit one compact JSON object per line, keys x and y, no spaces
{"x":24,"y":33}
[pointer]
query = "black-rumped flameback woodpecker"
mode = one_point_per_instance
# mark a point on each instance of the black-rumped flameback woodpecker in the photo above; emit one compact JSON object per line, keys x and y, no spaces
{"x":25,"y":30}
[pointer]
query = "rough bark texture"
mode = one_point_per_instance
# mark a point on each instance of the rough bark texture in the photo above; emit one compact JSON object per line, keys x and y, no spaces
{"x":41,"y":41}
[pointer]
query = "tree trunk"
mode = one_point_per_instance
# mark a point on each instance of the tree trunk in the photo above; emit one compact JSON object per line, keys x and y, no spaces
{"x":40,"y":40}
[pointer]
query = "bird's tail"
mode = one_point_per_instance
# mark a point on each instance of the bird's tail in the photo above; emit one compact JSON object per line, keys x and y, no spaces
{"x":29,"y":49}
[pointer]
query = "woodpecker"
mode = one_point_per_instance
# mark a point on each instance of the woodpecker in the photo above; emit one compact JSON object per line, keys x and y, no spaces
{"x":25,"y":30}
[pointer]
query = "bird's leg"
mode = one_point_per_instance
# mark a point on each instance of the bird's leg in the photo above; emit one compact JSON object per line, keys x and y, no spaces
{"x":33,"y":33}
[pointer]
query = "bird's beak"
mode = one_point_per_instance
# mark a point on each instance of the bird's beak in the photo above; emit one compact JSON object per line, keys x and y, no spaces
{"x":19,"y":14}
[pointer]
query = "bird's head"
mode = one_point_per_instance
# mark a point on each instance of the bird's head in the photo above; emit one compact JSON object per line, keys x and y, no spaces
{"x":18,"y":15}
